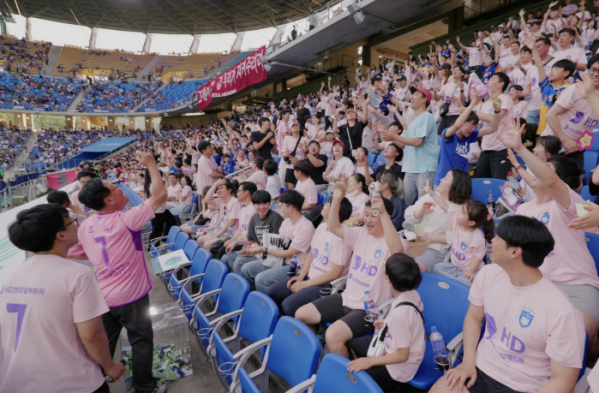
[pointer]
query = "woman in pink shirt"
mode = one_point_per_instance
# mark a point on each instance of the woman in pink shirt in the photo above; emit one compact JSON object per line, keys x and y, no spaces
{"x":357,"y":193}
{"x":570,"y":265}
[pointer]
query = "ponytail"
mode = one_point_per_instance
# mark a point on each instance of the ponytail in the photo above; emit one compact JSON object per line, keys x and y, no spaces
{"x":479,"y":213}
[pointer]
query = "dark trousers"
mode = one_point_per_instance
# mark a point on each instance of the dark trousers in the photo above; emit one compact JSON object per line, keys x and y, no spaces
{"x":446,"y":122}
{"x":134,"y":317}
{"x":493,"y":164}
{"x":578,"y":157}
{"x":162,"y":223}
{"x":103,"y":389}
{"x":290,"y":302}
{"x":380,"y":374}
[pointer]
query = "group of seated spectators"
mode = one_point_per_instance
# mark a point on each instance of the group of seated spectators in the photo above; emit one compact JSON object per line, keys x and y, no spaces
{"x":115,"y":97}
{"x":18,"y":56}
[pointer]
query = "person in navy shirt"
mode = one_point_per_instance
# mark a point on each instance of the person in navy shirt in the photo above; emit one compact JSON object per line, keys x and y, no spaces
{"x":455,"y":140}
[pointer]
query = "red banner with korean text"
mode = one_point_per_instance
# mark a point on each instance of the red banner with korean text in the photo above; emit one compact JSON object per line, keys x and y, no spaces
{"x":243,"y":74}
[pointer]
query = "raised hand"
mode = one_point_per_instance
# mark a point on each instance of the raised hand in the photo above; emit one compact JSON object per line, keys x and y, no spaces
{"x":586,"y":87}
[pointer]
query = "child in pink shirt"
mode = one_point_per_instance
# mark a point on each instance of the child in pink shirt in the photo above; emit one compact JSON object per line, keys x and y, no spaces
{"x":468,"y":246}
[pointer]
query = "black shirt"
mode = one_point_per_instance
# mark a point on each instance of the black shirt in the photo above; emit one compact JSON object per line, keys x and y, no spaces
{"x":356,"y":137}
{"x":317,"y":173}
{"x":395,"y":169}
{"x":266,"y":150}
{"x":303,"y":114}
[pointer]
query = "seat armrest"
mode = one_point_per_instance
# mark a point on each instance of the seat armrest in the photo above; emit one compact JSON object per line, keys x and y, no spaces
{"x":307,"y":384}
{"x":178,"y":268}
{"x":183,"y":283}
{"x":163,"y":246}
{"x":219,"y":322}
{"x":158,"y":239}
{"x":384,"y":308}
{"x":337,"y":284}
{"x":454,"y":347}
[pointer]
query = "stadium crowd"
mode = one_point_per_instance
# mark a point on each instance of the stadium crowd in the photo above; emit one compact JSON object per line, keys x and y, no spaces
{"x":345,"y":182}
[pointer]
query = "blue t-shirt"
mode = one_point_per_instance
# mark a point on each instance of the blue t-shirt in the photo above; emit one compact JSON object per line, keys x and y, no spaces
{"x":424,"y":158}
{"x":488,"y":72}
{"x":453,"y":154}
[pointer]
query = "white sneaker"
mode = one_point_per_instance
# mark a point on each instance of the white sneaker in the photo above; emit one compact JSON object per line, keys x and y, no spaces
{"x":160,"y":389}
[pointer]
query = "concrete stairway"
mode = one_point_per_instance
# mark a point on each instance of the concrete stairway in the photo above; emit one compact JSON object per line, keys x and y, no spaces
{"x":52,"y":59}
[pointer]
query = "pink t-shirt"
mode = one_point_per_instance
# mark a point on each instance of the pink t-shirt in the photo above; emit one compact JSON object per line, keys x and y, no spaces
{"x":205,"y":167}
{"x":526,"y":328}
{"x":187,"y":193}
{"x":245,"y":215}
{"x":573,"y":54}
{"x":490,"y":142}
{"x":451,"y":89}
{"x":466,"y":246}
{"x":521,"y":109}
{"x":358,"y":202}
{"x":289,"y":144}
{"x":258,"y":176}
{"x":75,"y":201}
{"x":578,"y":117}
{"x":405,"y":330}
{"x":327,"y":249}
{"x":570,"y":262}
{"x":40,"y":349}
{"x":475,"y":57}
{"x":282,"y":132}
{"x":228,"y":211}
{"x":509,"y":59}
{"x":367,"y":268}
{"x":113,"y":244}
{"x":301,"y":237}
{"x":532,"y":79}
{"x":172,"y":190}
{"x":360,"y":170}
{"x":517,"y":77}
{"x":593,"y":378}
{"x":308,"y":190}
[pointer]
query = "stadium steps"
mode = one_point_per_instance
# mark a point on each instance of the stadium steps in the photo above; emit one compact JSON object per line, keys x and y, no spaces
{"x":76,"y":101}
{"x":149,"y":68}
{"x":148,"y":97}
{"x":52,"y":59}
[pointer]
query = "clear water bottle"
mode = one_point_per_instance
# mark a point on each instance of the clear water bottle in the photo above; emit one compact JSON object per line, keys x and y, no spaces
{"x":437,"y":342}
{"x":491,"y":200}
{"x":293,"y":267}
{"x":371,"y":313}
{"x":230,"y":230}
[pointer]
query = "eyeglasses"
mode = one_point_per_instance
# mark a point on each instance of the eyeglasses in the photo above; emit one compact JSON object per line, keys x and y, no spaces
{"x":593,"y":70}
{"x":65,"y":227}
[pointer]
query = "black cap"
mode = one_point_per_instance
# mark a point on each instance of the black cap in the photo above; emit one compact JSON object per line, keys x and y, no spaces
{"x":401,"y":78}
{"x":445,"y":66}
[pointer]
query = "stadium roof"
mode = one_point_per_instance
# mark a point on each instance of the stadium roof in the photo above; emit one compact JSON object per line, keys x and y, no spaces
{"x":168,"y":16}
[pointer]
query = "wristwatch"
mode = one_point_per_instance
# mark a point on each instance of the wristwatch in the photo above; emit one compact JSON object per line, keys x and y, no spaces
{"x":265,"y":253}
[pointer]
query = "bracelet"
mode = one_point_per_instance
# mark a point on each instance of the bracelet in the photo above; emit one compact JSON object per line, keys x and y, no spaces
{"x":461,"y":91}
{"x":265,"y":253}
{"x":518,"y":167}
{"x":499,"y":111}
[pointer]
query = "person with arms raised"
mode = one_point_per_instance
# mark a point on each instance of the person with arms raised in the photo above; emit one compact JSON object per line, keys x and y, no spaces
{"x":228,"y":207}
{"x":112,"y":241}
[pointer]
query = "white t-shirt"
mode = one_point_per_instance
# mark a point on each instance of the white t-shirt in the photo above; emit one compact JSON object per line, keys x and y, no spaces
{"x":328,"y":250}
{"x":344,"y":165}
{"x":40,"y":348}
{"x":578,"y":117}
{"x":308,"y":190}
{"x":273,"y":186}
{"x":490,"y":142}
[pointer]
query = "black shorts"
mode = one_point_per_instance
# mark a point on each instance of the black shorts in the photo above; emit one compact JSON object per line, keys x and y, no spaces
{"x":289,"y":176}
{"x":486,"y":384}
{"x":331,"y":309}
{"x":380,"y":374}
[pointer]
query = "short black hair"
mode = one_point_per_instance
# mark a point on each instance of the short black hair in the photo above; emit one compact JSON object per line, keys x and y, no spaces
{"x":261,"y":196}
{"x":314,"y":141}
{"x":566,"y":64}
{"x":293,"y":198}
{"x":93,"y":194}
{"x":262,"y":120}
{"x":249,"y":186}
{"x":87,"y":173}
{"x":551,"y":143}
{"x":461,"y":186}
{"x":259,"y":161}
{"x":388,"y":205}
{"x":203,"y":145}
{"x":303,"y":166}
{"x":35,"y":229}
{"x":530,"y":235}
{"x":503,"y":78}
{"x":270,"y":166}
{"x":525,"y":49}
{"x":403,"y":272}
{"x":592,"y":61}
{"x":399,"y":151}
{"x":544,"y":39}
{"x":567,"y":170}
{"x":57,"y":197}
{"x":568,"y":30}
{"x":517,"y":87}
{"x":345,"y":210}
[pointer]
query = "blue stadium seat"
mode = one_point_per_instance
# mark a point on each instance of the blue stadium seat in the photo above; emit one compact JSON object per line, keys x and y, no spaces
{"x":372,"y":159}
{"x":190,"y":249}
{"x":595,"y":146}
{"x":293,"y":354}
{"x":320,"y":199}
{"x":446,"y":303}
{"x":276,"y":158}
{"x":593,"y":245}
{"x":481,"y":188}
{"x":586,"y":194}
{"x":333,"y":377}
{"x":231,"y":297}
{"x":212,"y":279}
{"x":591,"y":158}
{"x":257,"y":322}
{"x":169,"y":242}
{"x":195,"y":269}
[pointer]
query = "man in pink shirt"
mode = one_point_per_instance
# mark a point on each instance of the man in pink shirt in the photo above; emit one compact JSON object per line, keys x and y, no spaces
{"x":534,"y":336}
{"x":112,"y":241}
{"x":305,"y":185}
{"x":208,"y":171}
{"x":258,"y":176}
{"x":52,"y":338}
{"x":298,"y":229}
{"x":84,"y":176}
{"x":372,"y":245}
{"x":228,"y":213}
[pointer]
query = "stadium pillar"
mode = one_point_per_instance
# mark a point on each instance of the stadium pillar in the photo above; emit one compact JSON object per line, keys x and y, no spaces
{"x":132,"y":123}
{"x":85,"y":123}
{"x":93,"y":37}
{"x":238,"y":41}
{"x":148,"y":123}
{"x":278,"y":37}
{"x":28,"y":33}
{"x":69,"y":122}
{"x":195,"y":44}
{"x":147,"y":44}
{"x":112,"y":123}
{"x":20,"y":120}
{"x":29,"y":120}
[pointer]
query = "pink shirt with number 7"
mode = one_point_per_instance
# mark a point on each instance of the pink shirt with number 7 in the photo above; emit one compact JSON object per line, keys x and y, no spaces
{"x":113,"y":243}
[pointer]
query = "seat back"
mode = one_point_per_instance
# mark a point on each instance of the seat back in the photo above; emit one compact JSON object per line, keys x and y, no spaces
{"x":172,"y":234}
{"x":593,"y":245}
{"x":481,"y":188}
{"x":320,"y":199}
{"x":590,"y":162}
{"x":585,"y":193}
{"x":216,"y":271}
{"x":233,"y":294}
{"x":180,"y":241}
{"x":259,"y":317}
{"x":190,"y":249}
{"x":199,"y":262}
{"x":333,"y":377}
{"x":294,"y":351}
{"x":445,"y":304}
{"x":247,"y":385}
{"x":195,"y":199}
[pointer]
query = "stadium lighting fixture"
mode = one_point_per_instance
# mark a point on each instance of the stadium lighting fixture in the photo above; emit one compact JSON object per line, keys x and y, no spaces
{"x":267,"y":66}
{"x":359,"y":17}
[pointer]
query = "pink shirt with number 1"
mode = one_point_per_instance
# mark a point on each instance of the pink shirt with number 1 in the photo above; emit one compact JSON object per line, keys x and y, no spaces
{"x":113,"y":244}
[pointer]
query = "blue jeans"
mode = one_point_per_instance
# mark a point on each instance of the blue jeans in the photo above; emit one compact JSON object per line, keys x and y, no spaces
{"x":429,"y":258}
{"x":262,"y":277}
{"x":414,"y":185}
{"x":534,"y":117}
{"x":235,"y":262}
{"x":448,"y":269}
{"x":290,"y":302}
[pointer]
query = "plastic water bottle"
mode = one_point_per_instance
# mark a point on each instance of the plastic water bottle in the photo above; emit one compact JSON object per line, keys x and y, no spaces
{"x":293,"y":267}
{"x":437,"y":342}
{"x":491,"y":200}
{"x":371,"y":314}
{"x":230,"y":230}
